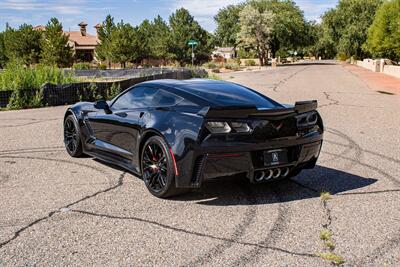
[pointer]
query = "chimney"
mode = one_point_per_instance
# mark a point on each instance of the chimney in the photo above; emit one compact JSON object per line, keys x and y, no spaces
{"x":97,"y":27}
{"x":83,"y":25}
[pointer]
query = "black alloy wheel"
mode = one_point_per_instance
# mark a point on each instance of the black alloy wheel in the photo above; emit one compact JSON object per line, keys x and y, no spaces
{"x":72,"y":139}
{"x":158,"y":168}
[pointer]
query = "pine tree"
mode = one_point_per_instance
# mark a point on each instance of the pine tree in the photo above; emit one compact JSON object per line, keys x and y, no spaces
{"x":55,"y":47}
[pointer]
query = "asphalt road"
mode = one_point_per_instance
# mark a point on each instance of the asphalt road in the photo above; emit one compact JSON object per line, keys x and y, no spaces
{"x":56,"y":210}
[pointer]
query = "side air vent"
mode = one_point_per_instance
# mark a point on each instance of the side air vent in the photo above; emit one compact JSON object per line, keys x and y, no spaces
{"x":198,"y":169}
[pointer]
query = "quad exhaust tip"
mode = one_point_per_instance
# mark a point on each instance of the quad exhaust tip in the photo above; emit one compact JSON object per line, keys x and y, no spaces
{"x":269,"y":174}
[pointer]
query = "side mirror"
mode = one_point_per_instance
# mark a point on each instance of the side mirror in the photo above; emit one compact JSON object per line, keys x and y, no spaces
{"x":102,"y":104}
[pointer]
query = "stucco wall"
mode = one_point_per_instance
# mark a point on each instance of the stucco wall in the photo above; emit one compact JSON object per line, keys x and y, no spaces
{"x":392,"y":70}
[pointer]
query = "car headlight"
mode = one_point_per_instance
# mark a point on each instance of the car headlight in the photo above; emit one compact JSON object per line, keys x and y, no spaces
{"x":307,"y":119}
{"x":240,"y":127}
{"x":218,"y":127}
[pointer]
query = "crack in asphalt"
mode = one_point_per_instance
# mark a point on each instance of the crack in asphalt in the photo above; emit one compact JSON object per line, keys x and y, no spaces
{"x":285,"y":80}
{"x":258,"y":246}
{"x":332,"y":102}
{"x":50,"y":214}
{"x":273,"y":235}
{"x":239,"y":231}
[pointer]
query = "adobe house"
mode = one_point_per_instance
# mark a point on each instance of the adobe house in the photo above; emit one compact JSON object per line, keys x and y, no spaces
{"x":82,"y":43}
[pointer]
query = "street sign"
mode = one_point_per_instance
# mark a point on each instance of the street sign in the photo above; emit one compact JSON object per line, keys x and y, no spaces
{"x":193,"y":42}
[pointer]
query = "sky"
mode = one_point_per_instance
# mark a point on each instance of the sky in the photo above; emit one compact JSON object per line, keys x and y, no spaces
{"x":72,"y":12}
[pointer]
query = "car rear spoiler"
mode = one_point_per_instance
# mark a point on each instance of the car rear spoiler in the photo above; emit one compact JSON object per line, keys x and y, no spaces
{"x":252,"y":111}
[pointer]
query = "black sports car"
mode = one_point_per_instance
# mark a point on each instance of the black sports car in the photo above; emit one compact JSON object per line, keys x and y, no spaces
{"x":174,"y":134}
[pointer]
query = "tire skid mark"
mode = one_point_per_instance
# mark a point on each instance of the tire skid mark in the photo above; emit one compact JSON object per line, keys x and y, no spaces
{"x":28,"y":123}
{"x":239,"y":231}
{"x":52,"y":213}
{"x":353,"y":145}
{"x":31,"y":149}
{"x":102,"y":171}
{"x":273,"y":235}
{"x":367,"y":151}
{"x":258,"y":246}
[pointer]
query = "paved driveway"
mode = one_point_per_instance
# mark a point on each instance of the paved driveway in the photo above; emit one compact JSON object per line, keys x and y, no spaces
{"x":56,"y":210}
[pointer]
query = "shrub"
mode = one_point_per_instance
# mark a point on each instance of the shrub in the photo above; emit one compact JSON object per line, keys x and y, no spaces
{"x":216,"y":70}
{"x":342,"y":56}
{"x":103,"y":66}
{"x":250,"y":62}
{"x":16,"y":76}
{"x":210,"y":65}
{"x":26,"y":83}
{"x":113,"y":91}
{"x":82,"y":66}
{"x":232,"y":67}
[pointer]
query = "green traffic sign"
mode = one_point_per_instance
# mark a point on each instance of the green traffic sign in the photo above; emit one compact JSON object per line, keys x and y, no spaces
{"x":193,"y":42}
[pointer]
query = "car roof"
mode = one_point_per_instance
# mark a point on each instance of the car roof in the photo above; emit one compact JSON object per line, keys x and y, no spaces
{"x":214,"y":92}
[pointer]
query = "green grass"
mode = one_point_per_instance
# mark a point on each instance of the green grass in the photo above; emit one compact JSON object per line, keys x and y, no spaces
{"x":325,"y":235}
{"x":332,"y":257}
{"x":325,"y":195}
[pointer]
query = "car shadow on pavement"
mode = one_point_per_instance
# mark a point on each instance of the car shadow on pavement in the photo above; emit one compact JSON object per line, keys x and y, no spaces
{"x":236,"y":190}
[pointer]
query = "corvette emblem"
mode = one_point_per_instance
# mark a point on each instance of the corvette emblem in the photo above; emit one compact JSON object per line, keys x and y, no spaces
{"x":275,"y":157}
{"x":277,"y":126}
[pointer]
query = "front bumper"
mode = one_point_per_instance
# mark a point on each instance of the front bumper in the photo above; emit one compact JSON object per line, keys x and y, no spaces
{"x":216,"y":161}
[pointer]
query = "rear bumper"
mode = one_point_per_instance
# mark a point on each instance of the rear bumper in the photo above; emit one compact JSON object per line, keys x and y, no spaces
{"x":211,"y":161}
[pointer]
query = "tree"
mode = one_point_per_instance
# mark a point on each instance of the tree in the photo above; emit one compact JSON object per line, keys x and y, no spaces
{"x":23,"y":44}
{"x":384,"y":33}
{"x":123,"y":44}
{"x":103,"y":50}
{"x":228,"y":26}
{"x":54,"y":45}
{"x":346,"y":26}
{"x":145,"y":32}
{"x":160,"y":39}
{"x":185,"y":28}
{"x":256,"y":30}
{"x":288,"y":25}
{"x":3,"y":57}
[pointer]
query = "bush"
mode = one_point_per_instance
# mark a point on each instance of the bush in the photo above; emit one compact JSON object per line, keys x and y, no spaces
{"x":27,"y":83}
{"x":210,"y":65}
{"x":216,"y":70}
{"x":232,"y":67}
{"x":342,"y":56}
{"x":16,"y":76}
{"x":103,"y":66}
{"x":250,"y":62}
{"x":82,"y":66}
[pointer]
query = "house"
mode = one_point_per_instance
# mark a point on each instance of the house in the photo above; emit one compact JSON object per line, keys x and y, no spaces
{"x":224,"y":52}
{"x":82,"y":43}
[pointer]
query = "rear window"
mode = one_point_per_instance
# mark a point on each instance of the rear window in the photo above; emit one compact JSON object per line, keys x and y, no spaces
{"x":232,"y":95}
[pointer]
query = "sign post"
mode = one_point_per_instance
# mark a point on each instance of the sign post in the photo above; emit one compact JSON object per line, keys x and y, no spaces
{"x":192,"y":43}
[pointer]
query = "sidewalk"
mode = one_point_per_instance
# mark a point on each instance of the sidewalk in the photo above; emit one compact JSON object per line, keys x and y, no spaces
{"x":376,"y":80}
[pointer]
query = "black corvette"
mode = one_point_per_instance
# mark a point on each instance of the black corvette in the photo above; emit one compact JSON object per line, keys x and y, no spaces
{"x":175,"y":134}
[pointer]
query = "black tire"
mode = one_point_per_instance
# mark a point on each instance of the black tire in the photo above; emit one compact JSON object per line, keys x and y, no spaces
{"x":157,"y":167}
{"x":72,"y":137}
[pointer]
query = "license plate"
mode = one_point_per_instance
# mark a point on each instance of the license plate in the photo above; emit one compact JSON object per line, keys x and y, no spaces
{"x":275,"y":157}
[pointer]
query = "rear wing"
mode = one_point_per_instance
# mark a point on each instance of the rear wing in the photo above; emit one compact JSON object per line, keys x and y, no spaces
{"x":252,"y":111}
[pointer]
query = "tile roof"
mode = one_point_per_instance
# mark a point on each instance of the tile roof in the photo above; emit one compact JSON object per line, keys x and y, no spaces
{"x":79,"y":39}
